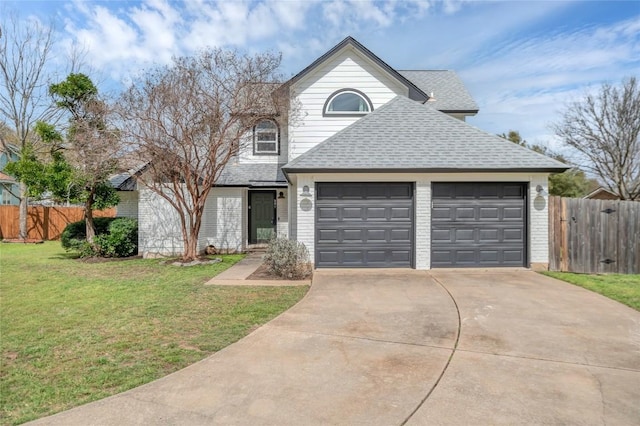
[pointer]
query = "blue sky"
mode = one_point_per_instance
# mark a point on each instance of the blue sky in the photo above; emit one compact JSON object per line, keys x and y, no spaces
{"x":521,"y":60}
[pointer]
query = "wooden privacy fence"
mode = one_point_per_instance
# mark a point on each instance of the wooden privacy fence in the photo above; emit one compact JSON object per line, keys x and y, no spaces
{"x":594,"y":236}
{"x":43,"y":223}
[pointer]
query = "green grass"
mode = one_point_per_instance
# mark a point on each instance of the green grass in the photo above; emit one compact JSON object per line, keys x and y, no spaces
{"x":623,"y":288}
{"x":73,"y":332}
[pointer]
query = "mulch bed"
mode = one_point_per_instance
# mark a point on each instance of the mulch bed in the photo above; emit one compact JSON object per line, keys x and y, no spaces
{"x":262,"y":273}
{"x":26,"y":241}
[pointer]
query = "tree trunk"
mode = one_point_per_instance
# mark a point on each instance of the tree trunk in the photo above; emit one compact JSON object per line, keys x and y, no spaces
{"x":90,"y":228}
{"x":191,"y":247}
{"x":24,"y":212}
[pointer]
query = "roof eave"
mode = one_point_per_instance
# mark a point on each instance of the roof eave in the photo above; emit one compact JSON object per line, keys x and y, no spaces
{"x":459,"y":111}
{"x":294,"y":170}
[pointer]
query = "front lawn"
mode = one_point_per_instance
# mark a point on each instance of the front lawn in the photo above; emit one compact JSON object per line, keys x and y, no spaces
{"x":623,"y":288}
{"x":73,"y":332}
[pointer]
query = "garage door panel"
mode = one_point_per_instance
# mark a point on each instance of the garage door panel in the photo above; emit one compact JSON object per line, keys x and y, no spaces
{"x":478,"y":224}
{"x":327,"y":213}
{"x":513,"y":235}
{"x":513,"y":213}
{"x":488,"y":213}
{"x":400,"y":213}
{"x":351,"y":235}
{"x":464,"y":235}
{"x":399,"y":235}
{"x":516,"y":256}
{"x":441,"y":235}
{"x":376,"y":213}
{"x":513,"y":191}
{"x":364,"y":224}
{"x":441,"y":213}
{"x":327,"y":236}
{"x":489,"y":256}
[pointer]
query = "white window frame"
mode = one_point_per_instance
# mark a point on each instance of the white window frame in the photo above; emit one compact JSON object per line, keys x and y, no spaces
{"x":276,"y":141}
{"x":327,"y":112}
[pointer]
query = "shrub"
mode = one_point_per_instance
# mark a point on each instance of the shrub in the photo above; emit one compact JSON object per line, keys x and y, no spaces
{"x":115,"y":237}
{"x":74,"y":236}
{"x":287,"y":258}
{"x":121,"y":240}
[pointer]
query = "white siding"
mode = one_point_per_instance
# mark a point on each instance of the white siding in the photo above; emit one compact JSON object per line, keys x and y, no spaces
{"x":282,"y":211}
{"x":538,"y":233}
{"x":293,"y":210}
{"x":305,"y":231}
{"x":423,"y":223}
{"x":539,"y":221}
{"x":346,"y":69}
{"x":128,"y":205}
{"x":246,"y":151}
{"x":224,"y":219}
{"x":159,"y":231}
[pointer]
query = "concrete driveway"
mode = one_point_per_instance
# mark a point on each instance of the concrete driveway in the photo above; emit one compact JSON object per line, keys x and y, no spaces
{"x":390,"y":347}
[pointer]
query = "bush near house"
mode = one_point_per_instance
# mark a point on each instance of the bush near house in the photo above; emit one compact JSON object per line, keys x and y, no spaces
{"x":115,"y":237}
{"x":121,"y":239}
{"x":287,"y":258}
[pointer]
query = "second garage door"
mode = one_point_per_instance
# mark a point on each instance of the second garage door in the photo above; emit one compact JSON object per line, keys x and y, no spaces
{"x":364,"y":225}
{"x":478,"y":224}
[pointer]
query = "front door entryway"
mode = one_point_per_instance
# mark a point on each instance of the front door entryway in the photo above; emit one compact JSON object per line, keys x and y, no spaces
{"x":262,"y":216}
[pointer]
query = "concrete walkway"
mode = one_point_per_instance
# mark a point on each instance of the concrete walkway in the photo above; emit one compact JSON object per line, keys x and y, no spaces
{"x":390,"y":347}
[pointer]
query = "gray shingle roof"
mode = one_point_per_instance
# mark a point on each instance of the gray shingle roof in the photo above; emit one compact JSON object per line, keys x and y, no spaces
{"x":404,"y":135}
{"x":449,"y":92}
{"x":252,"y":175}
{"x":126,"y":181}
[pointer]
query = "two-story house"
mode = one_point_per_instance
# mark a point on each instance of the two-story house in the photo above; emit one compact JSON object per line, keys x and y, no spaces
{"x":379,"y":170}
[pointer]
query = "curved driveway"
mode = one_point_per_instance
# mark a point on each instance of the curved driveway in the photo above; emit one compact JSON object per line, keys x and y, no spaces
{"x":392,"y":347}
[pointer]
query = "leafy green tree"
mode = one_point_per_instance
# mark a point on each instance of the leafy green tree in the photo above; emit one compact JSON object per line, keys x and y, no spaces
{"x":573,"y":183}
{"x":84,"y":154}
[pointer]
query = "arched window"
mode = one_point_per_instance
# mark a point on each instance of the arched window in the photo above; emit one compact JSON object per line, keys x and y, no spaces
{"x":265,"y":138}
{"x":348,"y":102}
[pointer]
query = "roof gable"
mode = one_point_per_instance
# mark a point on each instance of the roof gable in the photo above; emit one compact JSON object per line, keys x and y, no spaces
{"x":404,"y":135}
{"x":414,"y":91}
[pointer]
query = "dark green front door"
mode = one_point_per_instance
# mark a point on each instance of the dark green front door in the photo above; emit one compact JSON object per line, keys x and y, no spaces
{"x":262,"y":216}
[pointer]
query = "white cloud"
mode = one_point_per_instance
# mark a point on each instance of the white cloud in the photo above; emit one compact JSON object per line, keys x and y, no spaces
{"x":525,"y":84}
{"x":518,"y":65}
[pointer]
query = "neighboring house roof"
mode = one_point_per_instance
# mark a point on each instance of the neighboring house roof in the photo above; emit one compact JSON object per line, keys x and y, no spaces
{"x":602,"y":194}
{"x":5,"y":178}
{"x":126,"y":181}
{"x":252,"y":175}
{"x":404,"y":135}
{"x":414,"y":91}
{"x":446,"y":91}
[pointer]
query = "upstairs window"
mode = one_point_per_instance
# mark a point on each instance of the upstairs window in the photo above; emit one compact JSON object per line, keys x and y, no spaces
{"x":348,"y":102}
{"x":265,"y":138}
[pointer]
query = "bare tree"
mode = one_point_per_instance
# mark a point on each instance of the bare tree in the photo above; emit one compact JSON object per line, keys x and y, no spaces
{"x":188,"y":120}
{"x":604,"y":129}
{"x":25,"y":51}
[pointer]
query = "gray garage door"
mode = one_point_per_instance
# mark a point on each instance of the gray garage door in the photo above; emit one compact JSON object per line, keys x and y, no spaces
{"x":364,"y":225}
{"x":478,"y":224}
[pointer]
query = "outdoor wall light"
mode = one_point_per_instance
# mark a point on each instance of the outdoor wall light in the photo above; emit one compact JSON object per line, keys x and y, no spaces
{"x":305,"y":191}
{"x":281,"y":195}
{"x":540,"y":190}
